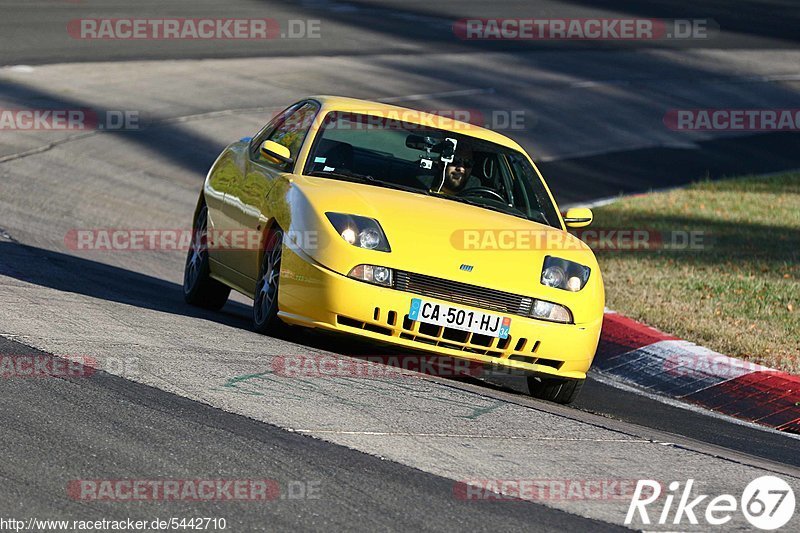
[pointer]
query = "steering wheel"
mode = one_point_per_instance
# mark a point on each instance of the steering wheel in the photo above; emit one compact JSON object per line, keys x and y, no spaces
{"x":482,"y":191}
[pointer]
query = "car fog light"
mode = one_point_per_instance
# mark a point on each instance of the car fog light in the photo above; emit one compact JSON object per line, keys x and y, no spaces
{"x":382,"y":275}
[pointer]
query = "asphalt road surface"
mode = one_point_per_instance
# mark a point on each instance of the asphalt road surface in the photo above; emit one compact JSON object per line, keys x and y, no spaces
{"x":188,"y":394}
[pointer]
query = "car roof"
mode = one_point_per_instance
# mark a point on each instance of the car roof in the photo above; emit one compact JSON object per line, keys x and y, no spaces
{"x":355,"y":105}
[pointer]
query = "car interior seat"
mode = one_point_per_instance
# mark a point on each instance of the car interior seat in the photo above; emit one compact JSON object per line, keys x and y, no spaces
{"x":333,"y":154}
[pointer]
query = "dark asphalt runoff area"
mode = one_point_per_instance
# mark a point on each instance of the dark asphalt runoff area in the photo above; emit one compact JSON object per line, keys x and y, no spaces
{"x":57,"y":431}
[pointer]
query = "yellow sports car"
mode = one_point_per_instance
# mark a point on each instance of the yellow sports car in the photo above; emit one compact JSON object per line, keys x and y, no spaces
{"x":403,"y":227}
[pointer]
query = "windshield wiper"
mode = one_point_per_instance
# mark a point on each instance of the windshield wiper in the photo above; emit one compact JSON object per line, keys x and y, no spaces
{"x":343,"y":173}
{"x":518,"y":214}
{"x":349,"y":175}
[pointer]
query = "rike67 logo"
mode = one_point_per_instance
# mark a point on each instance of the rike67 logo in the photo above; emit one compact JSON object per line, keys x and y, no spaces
{"x":767,"y":503}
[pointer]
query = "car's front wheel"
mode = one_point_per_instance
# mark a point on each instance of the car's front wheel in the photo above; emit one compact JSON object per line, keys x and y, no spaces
{"x":265,"y":303}
{"x":199,"y":288}
{"x":557,"y":390}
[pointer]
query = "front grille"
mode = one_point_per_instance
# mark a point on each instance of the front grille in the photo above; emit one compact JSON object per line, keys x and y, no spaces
{"x":463,"y":293}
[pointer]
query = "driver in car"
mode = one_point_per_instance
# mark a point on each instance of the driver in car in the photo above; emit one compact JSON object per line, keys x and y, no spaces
{"x":457,"y":172}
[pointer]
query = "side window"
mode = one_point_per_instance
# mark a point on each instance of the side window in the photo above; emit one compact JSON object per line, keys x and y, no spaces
{"x":262,"y":135}
{"x":290,"y":130}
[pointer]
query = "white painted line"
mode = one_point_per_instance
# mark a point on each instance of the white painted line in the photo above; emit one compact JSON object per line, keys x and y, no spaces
{"x":588,"y":84}
{"x":459,"y":436}
{"x":445,"y":94}
{"x":591,"y":83}
{"x":19,"y":68}
{"x":774,"y":77}
{"x":594,"y":203}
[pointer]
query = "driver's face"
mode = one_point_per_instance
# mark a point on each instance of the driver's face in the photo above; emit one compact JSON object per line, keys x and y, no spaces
{"x":457,"y":172}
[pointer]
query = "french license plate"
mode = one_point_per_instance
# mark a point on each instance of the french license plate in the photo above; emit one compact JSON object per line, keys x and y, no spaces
{"x":458,"y":318}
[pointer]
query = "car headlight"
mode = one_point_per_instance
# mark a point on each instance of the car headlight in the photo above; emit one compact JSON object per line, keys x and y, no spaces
{"x":372,"y":274}
{"x":563,"y":274}
{"x":363,"y":232}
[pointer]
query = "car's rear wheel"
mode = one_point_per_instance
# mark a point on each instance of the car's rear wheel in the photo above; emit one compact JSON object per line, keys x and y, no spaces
{"x":265,"y":303}
{"x":198,"y":287}
{"x":554,"y":389}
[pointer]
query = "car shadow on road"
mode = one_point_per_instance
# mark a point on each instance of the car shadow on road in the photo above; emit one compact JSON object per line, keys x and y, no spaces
{"x":176,"y":142}
{"x":68,"y":273}
{"x":77,"y":275}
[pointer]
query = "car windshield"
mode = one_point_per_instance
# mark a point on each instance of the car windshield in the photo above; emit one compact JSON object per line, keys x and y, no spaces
{"x":388,"y":152}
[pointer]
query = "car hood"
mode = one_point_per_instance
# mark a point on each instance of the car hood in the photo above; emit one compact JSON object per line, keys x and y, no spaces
{"x":437,"y":237}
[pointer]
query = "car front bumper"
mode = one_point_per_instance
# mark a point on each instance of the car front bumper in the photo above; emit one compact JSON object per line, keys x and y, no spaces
{"x":314,"y":296}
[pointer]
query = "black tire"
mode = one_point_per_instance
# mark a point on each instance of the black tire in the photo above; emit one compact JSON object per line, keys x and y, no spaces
{"x":198,"y":287}
{"x":265,"y":303}
{"x":556,"y":390}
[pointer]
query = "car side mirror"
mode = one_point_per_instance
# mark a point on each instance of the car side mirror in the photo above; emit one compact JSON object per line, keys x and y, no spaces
{"x":578,"y":217}
{"x":276,"y":153}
